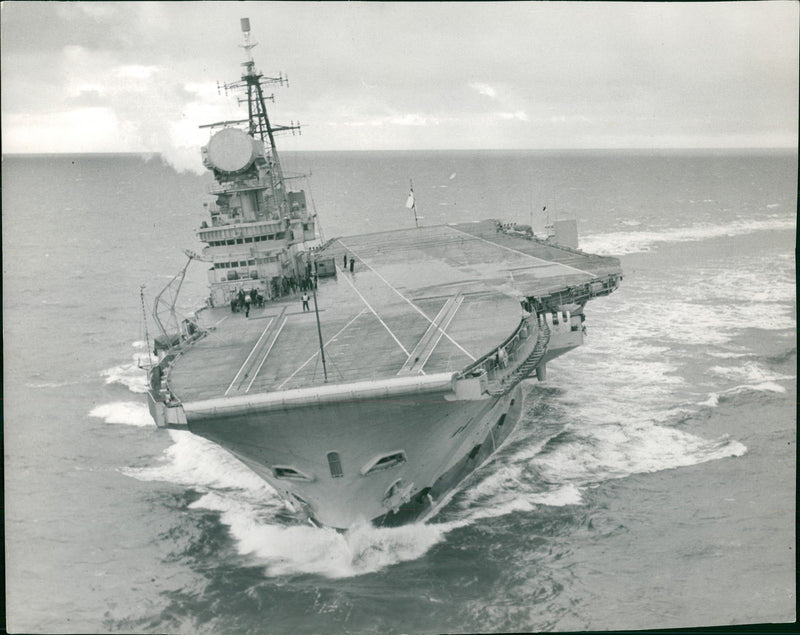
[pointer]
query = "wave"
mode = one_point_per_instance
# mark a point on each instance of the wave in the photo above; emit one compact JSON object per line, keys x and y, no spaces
{"x":607,"y":452}
{"x":130,"y":374}
{"x":129,"y":413}
{"x":755,"y":378}
{"x":303,"y":549}
{"x":546,"y":472}
{"x":50,"y":384}
{"x":622,"y":243}
{"x":768,"y":287}
{"x":581,"y":457}
{"x":257,"y":520}
{"x":256,"y":517}
{"x":195,"y":462}
{"x":715,"y":398}
{"x":750,"y":372}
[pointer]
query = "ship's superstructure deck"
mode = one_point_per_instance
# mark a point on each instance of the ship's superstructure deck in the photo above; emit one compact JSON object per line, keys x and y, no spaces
{"x":419,"y":301}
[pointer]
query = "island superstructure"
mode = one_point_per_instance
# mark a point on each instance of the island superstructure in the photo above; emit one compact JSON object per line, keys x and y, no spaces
{"x":366,"y":377}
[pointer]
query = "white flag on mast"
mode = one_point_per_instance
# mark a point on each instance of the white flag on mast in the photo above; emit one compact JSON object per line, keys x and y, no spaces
{"x":410,"y":203}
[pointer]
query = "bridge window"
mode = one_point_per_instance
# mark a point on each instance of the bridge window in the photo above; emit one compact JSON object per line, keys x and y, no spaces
{"x":335,"y":464}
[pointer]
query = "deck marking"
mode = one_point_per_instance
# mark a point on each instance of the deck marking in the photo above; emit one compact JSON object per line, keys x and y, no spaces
{"x":522,"y":253}
{"x":442,"y":331}
{"x":308,"y":361}
{"x":253,"y":350}
{"x":431,"y":338}
{"x":414,"y":306}
{"x":375,"y":313}
{"x":274,"y":339}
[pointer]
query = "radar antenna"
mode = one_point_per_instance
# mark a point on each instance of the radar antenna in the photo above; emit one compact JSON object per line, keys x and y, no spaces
{"x":252,"y":84}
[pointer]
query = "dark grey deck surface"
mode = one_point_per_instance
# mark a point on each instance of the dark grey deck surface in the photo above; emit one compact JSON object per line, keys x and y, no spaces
{"x":446,"y":293}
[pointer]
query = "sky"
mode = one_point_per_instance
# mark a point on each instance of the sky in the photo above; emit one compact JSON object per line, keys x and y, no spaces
{"x":142,"y":76}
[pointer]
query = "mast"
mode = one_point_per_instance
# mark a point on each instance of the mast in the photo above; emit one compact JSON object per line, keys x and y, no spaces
{"x":252,"y":83}
{"x":319,"y":328}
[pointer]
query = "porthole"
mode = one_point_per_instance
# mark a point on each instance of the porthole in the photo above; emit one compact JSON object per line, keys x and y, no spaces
{"x":384,"y":462}
{"x":290,"y":473}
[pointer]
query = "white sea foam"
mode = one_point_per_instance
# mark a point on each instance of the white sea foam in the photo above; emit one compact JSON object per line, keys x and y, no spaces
{"x":248,"y":507}
{"x":296,"y":549}
{"x":501,"y":473}
{"x":50,"y":384}
{"x":130,"y":413}
{"x":726,"y":354}
{"x":130,"y":375}
{"x":756,"y":294}
{"x":750,"y":372}
{"x":621,"y":243}
{"x":749,"y":376}
{"x":196,"y":462}
{"x":766,"y":386}
{"x":711,"y":402}
{"x":569,"y":494}
{"x":599,"y":453}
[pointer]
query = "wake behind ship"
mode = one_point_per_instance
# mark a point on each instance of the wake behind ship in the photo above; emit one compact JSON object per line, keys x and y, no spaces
{"x":366,"y":377}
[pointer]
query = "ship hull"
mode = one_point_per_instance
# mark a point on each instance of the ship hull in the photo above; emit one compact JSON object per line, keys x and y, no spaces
{"x":495,"y":429}
{"x":432,"y":440}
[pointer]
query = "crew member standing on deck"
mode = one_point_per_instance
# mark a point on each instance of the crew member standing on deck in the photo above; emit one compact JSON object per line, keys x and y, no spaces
{"x":344,"y":266}
{"x":352,"y":264}
{"x":304,"y":298}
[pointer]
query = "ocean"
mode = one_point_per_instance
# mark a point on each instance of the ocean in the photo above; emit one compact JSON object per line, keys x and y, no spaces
{"x":650,"y":483}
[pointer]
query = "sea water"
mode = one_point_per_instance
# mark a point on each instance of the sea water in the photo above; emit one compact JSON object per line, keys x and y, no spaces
{"x":650,"y":482}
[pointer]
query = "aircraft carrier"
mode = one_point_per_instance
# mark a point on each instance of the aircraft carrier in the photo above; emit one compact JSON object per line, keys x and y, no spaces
{"x":365,"y":377}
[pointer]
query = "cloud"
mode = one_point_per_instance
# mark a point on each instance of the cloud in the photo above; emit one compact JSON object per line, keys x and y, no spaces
{"x":408,"y":119}
{"x":519,"y":115}
{"x":483,"y":89}
{"x":135,"y":71}
{"x":647,"y":71}
{"x":412,"y":119}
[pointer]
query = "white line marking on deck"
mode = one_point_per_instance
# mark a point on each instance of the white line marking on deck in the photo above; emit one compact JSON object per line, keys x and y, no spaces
{"x":253,"y":350}
{"x":414,"y":306}
{"x":308,"y":361}
{"x":522,"y":253}
{"x":442,"y":328}
{"x":375,"y":313}
{"x":274,"y":339}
